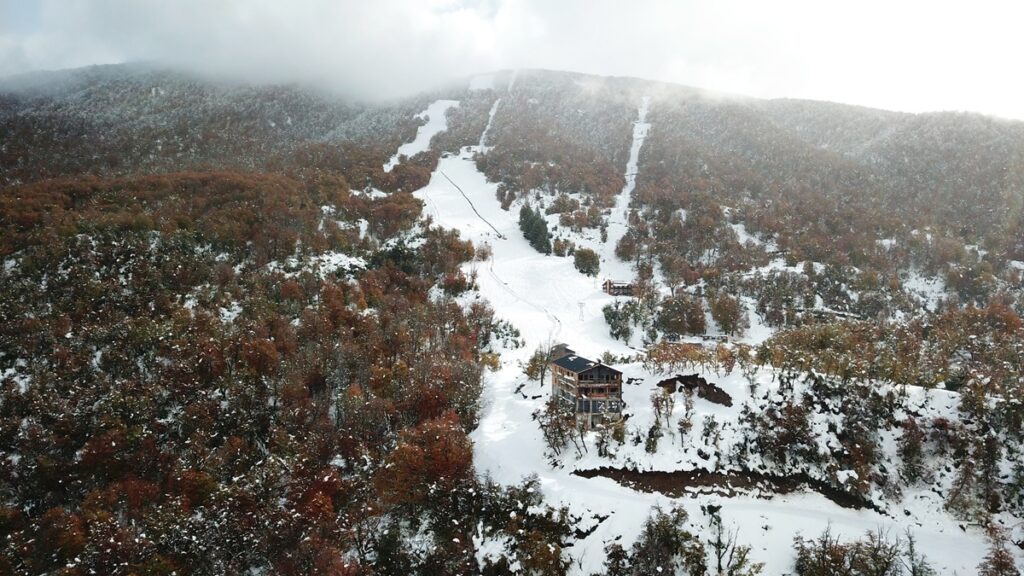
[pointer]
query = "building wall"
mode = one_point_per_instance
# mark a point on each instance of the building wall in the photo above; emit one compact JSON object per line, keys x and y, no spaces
{"x":617,"y":289}
{"x":596,"y":407}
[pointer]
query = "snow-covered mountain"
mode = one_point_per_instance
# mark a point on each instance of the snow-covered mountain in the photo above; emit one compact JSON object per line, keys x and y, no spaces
{"x":336,"y":313}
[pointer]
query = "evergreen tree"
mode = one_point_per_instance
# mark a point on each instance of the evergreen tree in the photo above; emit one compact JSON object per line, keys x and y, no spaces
{"x":535,"y":229}
{"x":665,"y":546}
{"x":621,"y":317}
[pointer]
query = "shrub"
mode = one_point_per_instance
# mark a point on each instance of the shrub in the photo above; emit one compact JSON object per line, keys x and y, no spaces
{"x":587,"y":261}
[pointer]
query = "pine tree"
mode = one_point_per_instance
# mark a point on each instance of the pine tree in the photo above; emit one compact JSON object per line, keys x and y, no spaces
{"x":665,"y":546}
{"x":535,"y":229}
{"x":616,"y":560}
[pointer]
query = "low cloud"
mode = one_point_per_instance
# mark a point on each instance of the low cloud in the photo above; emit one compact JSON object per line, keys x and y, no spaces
{"x":906,"y":56}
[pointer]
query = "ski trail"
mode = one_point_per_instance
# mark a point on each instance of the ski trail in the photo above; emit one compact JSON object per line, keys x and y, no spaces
{"x":640,"y":129}
{"x":437,"y":122}
{"x":618,"y":220}
{"x":482,"y":146}
{"x":471,"y":205}
{"x":556,"y":322}
{"x":619,"y":215}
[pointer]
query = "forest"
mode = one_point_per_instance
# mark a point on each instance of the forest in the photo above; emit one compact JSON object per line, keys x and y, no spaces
{"x":178,"y":404}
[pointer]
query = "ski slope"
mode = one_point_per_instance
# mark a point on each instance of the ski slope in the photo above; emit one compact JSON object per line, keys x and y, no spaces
{"x":550,"y":302}
{"x":437,"y":122}
{"x":618,"y":220}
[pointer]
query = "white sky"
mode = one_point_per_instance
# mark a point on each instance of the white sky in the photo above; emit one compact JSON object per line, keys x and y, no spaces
{"x":903,"y":55}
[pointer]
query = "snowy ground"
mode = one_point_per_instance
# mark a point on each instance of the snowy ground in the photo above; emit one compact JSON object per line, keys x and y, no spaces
{"x":437,"y":122}
{"x":929,"y":290}
{"x":550,"y":302}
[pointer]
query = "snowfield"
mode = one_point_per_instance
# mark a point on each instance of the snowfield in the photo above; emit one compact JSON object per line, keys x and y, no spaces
{"x":550,"y":302}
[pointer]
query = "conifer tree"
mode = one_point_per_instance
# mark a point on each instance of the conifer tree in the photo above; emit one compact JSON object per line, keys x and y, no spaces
{"x":535,"y":229}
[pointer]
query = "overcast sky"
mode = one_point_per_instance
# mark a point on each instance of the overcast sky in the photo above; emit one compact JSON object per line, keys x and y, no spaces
{"x":913,"y":56}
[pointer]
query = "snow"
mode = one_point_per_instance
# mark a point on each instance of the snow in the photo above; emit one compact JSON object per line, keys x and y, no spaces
{"x":332,"y":262}
{"x":491,"y":548}
{"x":14,"y":374}
{"x":742,"y":235}
{"x":758,"y":331}
{"x":437,"y":122}
{"x":371,"y":193}
{"x":981,"y":252}
{"x":550,"y":302}
{"x":844,"y":476}
{"x":322,"y":264}
{"x":228,"y":315}
{"x":618,"y":220}
{"x":482,"y":147}
{"x":929,"y":289}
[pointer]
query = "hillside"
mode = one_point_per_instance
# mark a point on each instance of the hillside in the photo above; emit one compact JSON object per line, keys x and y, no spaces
{"x":261,"y":329}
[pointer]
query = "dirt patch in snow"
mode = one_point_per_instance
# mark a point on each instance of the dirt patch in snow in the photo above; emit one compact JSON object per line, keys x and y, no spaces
{"x":706,"y":390}
{"x":689,"y":482}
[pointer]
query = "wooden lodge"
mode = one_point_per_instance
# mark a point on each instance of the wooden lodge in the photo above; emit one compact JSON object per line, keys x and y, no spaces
{"x":593,"y":388}
{"x":617,"y":288}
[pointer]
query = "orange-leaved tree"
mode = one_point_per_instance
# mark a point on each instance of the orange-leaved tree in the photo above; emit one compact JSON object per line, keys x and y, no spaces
{"x":434,"y":458}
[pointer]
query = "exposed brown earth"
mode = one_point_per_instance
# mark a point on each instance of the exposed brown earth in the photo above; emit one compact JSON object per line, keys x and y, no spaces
{"x":687,"y":482}
{"x":706,"y":390}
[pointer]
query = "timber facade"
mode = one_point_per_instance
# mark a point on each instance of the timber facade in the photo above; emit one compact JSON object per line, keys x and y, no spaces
{"x":592,"y":388}
{"x":617,"y":288}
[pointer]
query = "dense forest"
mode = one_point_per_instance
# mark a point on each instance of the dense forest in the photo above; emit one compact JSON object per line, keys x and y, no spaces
{"x":186,"y":395}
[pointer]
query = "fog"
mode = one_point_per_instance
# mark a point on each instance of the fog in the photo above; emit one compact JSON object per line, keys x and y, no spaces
{"x":913,"y":56}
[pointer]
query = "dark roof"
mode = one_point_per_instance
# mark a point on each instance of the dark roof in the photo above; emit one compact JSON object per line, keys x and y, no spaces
{"x":578,"y":364}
